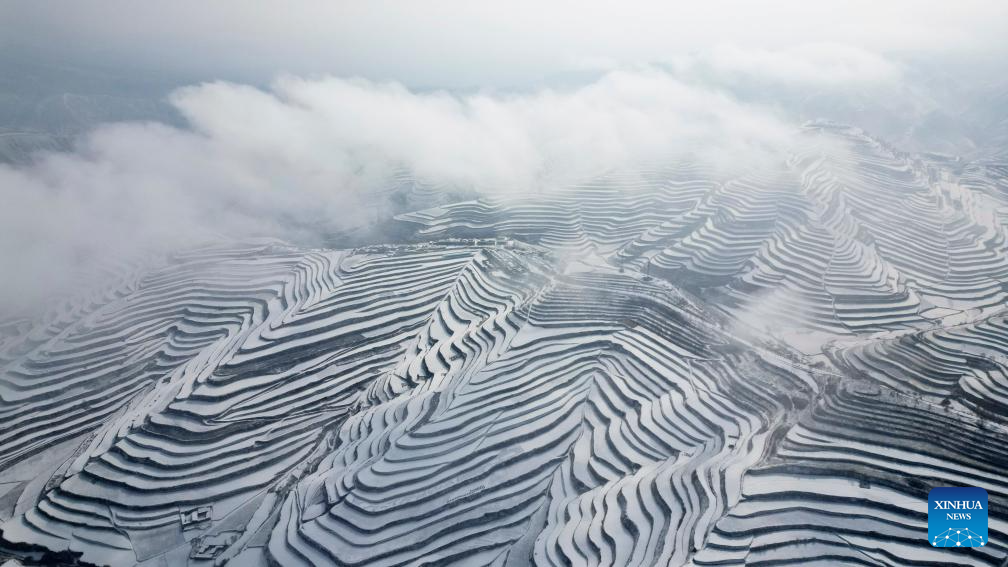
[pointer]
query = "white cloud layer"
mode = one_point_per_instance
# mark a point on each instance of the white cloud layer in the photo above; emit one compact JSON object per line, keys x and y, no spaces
{"x":810,"y":65}
{"x":315,"y":154}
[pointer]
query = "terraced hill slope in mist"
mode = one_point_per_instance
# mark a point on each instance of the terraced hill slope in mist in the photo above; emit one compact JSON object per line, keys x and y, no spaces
{"x":666,"y":366}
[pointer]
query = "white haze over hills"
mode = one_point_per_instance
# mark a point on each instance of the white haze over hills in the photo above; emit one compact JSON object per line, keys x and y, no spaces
{"x":304,"y":157}
{"x":314,"y":155}
{"x":525,"y":283}
{"x":454,"y":44}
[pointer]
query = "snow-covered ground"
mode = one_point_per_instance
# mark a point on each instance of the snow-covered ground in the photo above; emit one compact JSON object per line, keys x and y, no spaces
{"x":663,"y":366}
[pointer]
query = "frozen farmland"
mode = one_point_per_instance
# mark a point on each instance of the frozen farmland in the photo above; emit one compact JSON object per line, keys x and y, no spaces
{"x":669,"y":365}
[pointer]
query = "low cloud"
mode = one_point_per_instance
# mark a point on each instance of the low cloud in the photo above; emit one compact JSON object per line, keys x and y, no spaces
{"x":809,"y":65}
{"x":311,"y":156}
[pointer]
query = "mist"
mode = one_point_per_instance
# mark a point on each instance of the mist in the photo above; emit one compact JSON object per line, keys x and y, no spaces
{"x":454,"y":44}
{"x":290,"y":122}
{"x":311,"y":157}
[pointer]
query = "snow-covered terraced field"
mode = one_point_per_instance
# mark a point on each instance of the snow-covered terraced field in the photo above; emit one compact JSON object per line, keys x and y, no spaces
{"x":671,"y":365}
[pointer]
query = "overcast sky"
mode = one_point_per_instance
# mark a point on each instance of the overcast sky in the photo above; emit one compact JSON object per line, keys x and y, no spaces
{"x":459,"y":43}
